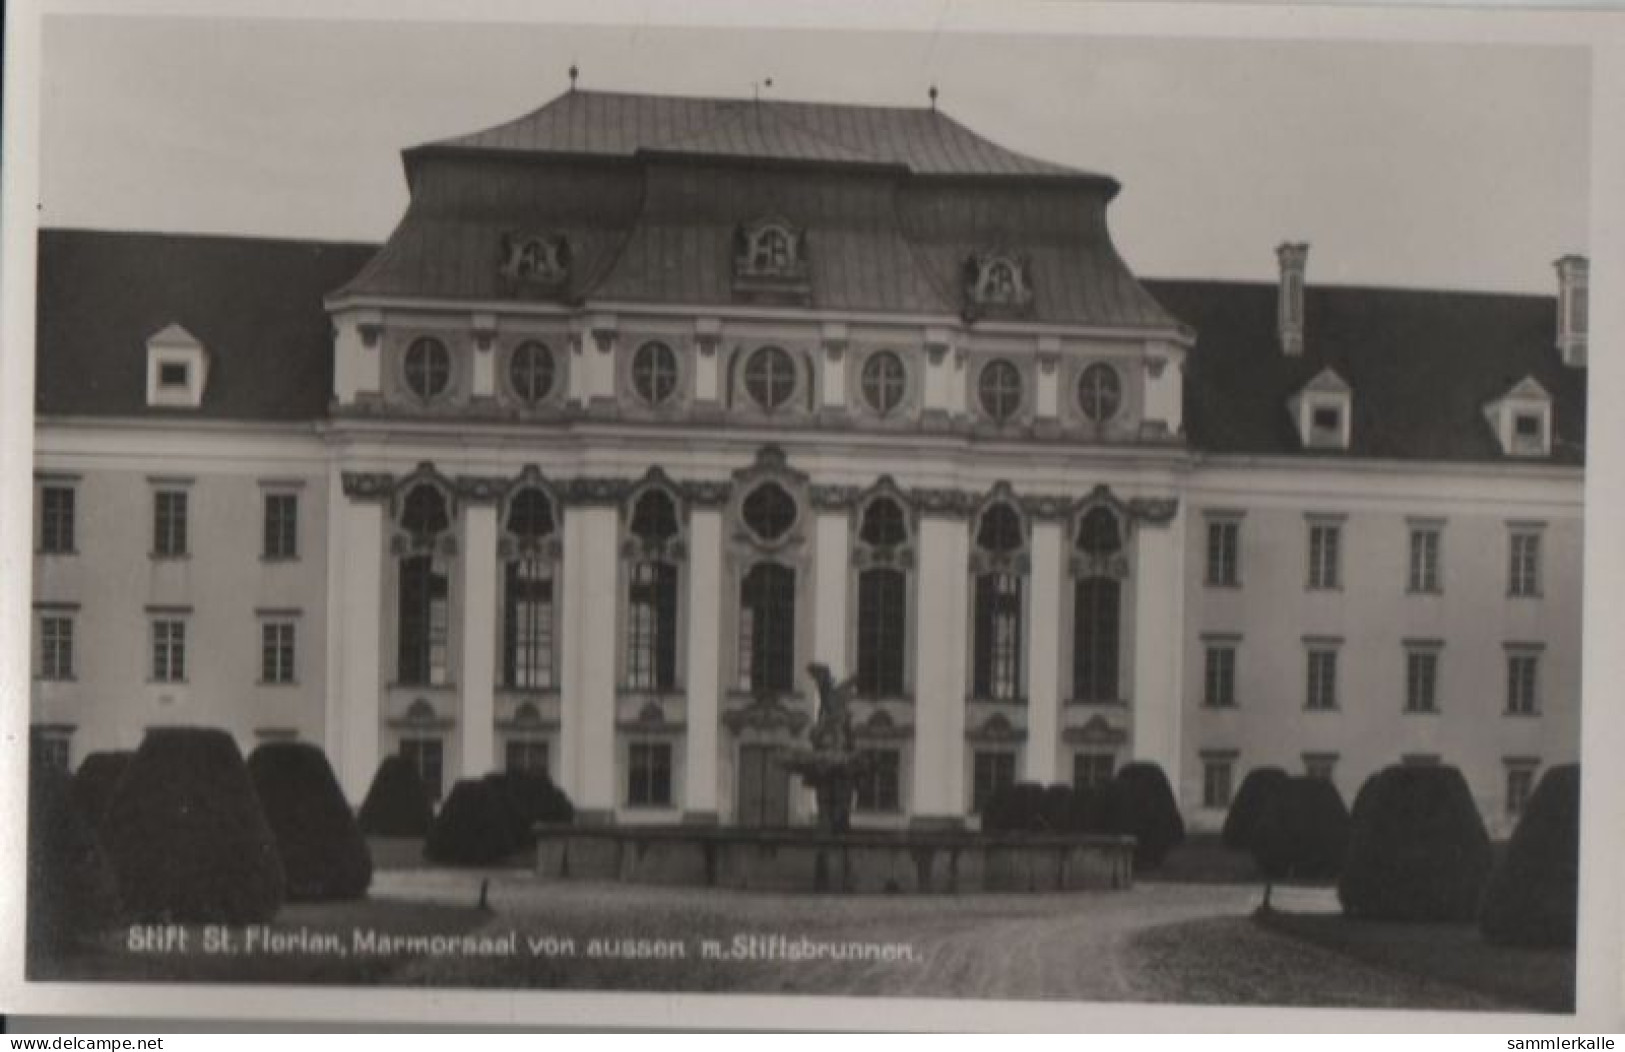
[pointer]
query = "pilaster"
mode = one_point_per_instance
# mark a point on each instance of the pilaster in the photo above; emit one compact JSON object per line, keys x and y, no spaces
{"x":939,"y":718}
{"x":704,"y":643}
{"x":1044,"y":654}
{"x":478,"y":674}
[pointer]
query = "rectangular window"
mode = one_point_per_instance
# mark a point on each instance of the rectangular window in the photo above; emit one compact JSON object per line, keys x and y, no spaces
{"x":1322,"y":687}
{"x":281,"y":526}
{"x":767,"y":629}
{"x":1220,"y":679}
{"x":649,"y":774}
{"x":1524,"y":572}
{"x":882,"y":632}
{"x":1424,"y":564}
{"x":878,"y":783}
{"x":1523,"y":682}
{"x":1090,"y":770}
{"x":49,"y":749}
{"x":1421,"y":679}
{"x":1223,"y":546}
{"x":172,"y":374}
{"x":169,"y":523}
{"x":168,"y":650}
{"x":427,"y":757}
{"x":991,"y":770}
{"x":56,"y":647}
{"x":1321,"y":765}
{"x":56,"y":520}
{"x":423,"y":622}
{"x":1520,"y":784}
{"x":528,"y":755}
{"x":1216,"y":775}
{"x":998,"y":637}
{"x":1095,"y":639}
{"x":527,"y":625}
{"x":1324,"y":541}
{"x":276,"y":652}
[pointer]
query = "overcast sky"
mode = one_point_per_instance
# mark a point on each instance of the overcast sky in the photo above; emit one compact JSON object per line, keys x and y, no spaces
{"x":1456,"y":166}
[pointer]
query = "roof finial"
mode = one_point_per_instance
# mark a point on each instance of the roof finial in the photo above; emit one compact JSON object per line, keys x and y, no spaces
{"x":933,"y":94}
{"x":756,"y":87}
{"x":574,"y":73}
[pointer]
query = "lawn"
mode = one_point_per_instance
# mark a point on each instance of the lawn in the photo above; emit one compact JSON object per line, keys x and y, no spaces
{"x":1538,"y":979}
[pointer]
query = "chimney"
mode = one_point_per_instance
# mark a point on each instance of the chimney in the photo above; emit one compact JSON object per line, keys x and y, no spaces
{"x":1573,"y":304}
{"x":1289,"y":302}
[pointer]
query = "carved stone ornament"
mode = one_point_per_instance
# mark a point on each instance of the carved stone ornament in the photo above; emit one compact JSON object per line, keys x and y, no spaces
{"x":538,"y":260}
{"x":997,"y":282}
{"x":368,"y":485}
{"x":1157,"y":511}
{"x":1096,"y":731}
{"x":881,"y":727}
{"x":770,"y":248}
{"x":945,"y":502}
{"x":766,"y":714}
{"x":997,"y":729}
{"x":594,"y":490}
{"x":651,"y":718}
{"x":832,"y":497}
{"x":1114,"y":566}
{"x":1045,"y":506}
{"x":706,"y":494}
{"x":1019,"y":564}
{"x":482,"y":487}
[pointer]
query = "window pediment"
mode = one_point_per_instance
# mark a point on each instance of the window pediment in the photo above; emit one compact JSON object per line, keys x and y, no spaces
{"x":1322,"y":410}
{"x":1522,"y":419}
{"x":177,"y":368}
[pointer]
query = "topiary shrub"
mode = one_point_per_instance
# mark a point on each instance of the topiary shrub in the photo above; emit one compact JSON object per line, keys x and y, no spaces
{"x":1256,"y":789}
{"x":397,"y":802}
{"x":72,"y":893}
{"x":1055,"y":808}
{"x":1302,"y":830}
{"x":1090,"y":811}
{"x":475,"y":826}
{"x":532,"y":798}
{"x":1141,"y":804}
{"x":1532,"y":898}
{"x":1417,"y":848}
{"x":95,"y":780}
{"x":186,"y":834}
{"x":1015,"y":808}
{"x":323,"y":853}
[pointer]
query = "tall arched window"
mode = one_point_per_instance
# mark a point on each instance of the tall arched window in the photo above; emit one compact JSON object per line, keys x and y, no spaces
{"x":997,"y":647}
{"x":651,"y":601}
{"x":528,"y":649}
{"x":1097,"y":610}
{"x":767,"y":629}
{"x":423,"y":622}
{"x":882,"y":629}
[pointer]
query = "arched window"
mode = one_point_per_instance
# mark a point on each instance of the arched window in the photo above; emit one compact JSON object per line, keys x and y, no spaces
{"x":1095,"y":635}
{"x":530,"y":371}
{"x":423,"y":618}
{"x":884,"y":382}
{"x":1100,"y":392}
{"x":654,"y":372}
{"x":997,"y":647}
{"x":770,"y":377}
{"x":771,"y":253}
{"x":999,"y":389}
{"x":769,"y":511}
{"x":767,"y":629}
{"x":428,"y":368}
{"x":651,"y":599}
{"x":882,"y":629}
{"x":528,"y":597}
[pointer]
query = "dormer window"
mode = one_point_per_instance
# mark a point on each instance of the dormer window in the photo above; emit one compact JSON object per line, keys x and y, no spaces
{"x":177,"y":368}
{"x":535,"y":260}
{"x":997,"y":281}
{"x":1522,"y":420}
{"x":770,"y":259}
{"x":1321,"y":411}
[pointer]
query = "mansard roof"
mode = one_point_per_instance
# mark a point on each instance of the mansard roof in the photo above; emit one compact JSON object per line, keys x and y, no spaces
{"x":1421,"y":364}
{"x":614,"y":124}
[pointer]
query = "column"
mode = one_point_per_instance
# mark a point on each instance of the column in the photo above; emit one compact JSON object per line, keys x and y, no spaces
{"x":355,"y":601}
{"x":1044,"y":653}
{"x":587,"y":687}
{"x":831,"y":559}
{"x":478,"y":672}
{"x":939,"y":707}
{"x":1159,"y":627}
{"x":704,"y":620}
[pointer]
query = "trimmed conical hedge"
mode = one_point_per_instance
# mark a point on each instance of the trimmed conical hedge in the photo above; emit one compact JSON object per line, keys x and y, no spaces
{"x":532,"y":798}
{"x":475,"y":826}
{"x":186,"y":833}
{"x":1417,"y":849}
{"x":1141,"y":804}
{"x":1013,"y":808}
{"x":397,"y":803}
{"x":72,"y":892}
{"x":1302,"y":830}
{"x":1256,"y":790}
{"x":1532,"y":898}
{"x":95,"y":780}
{"x":323,"y":853}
